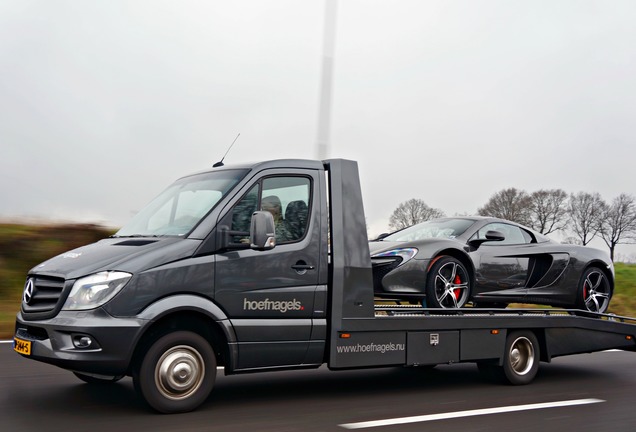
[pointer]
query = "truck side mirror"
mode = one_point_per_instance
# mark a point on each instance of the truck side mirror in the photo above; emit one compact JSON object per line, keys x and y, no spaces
{"x":262,"y":231}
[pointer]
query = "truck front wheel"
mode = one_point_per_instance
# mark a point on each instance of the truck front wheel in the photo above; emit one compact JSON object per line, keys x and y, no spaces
{"x":177,"y":372}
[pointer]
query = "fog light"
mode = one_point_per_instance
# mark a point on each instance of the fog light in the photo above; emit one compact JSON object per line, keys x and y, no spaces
{"x":83,"y":342}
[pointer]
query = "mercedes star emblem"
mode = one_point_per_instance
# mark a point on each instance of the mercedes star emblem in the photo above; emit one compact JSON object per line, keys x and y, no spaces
{"x":28,"y":291}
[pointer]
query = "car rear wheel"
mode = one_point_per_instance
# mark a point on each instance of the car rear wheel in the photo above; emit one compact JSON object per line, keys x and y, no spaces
{"x":594,"y":291}
{"x":447,"y":284}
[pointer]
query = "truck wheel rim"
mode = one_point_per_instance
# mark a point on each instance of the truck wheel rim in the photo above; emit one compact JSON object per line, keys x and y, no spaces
{"x":179,"y":372}
{"x":521,"y":356}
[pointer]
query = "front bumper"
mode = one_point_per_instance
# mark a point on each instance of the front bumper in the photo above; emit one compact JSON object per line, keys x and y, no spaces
{"x":408,"y":279}
{"x":60,"y":341}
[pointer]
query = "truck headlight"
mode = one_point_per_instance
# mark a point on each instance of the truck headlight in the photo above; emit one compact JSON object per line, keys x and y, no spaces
{"x":92,"y":291}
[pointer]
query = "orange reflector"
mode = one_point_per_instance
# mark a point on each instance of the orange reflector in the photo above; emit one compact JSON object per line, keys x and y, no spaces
{"x":629,"y":337}
{"x":495,"y":332}
{"x":345,"y":335}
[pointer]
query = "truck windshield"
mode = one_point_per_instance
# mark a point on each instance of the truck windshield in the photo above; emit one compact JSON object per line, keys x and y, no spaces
{"x":178,"y":209}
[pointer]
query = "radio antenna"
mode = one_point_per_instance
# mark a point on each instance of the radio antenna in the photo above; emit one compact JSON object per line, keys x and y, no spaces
{"x":220,"y":163}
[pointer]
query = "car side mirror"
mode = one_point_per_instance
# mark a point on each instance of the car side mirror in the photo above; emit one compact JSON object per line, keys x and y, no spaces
{"x":491,"y":235}
{"x":262,"y":231}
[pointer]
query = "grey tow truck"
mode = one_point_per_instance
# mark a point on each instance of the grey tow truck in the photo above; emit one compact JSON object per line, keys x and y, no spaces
{"x":263,"y":267}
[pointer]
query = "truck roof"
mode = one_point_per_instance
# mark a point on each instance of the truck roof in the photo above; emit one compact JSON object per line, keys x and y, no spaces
{"x":276,"y":163}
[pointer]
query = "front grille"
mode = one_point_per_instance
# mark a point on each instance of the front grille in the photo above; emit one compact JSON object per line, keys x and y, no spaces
{"x":44,"y":296}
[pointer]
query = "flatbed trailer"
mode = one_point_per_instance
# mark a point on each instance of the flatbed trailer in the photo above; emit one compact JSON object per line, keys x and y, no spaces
{"x":504,"y":342}
{"x":435,"y":336}
{"x":223,"y":290}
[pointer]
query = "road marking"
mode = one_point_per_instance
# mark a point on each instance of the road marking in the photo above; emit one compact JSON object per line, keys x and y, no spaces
{"x":470,"y":413}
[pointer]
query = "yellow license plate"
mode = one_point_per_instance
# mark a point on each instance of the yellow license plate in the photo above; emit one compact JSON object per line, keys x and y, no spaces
{"x":22,"y":346}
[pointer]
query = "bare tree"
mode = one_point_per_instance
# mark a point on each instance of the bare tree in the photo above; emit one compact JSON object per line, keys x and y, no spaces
{"x":548,"y":210}
{"x":619,"y":222}
{"x":572,"y":241}
{"x":411,"y":212}
{"x":511,"y":204}
{"x":585,"y":211}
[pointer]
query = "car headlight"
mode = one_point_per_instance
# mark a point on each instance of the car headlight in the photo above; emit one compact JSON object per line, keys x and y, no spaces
{"x":92,"y":291}
{"x":404,"y":253}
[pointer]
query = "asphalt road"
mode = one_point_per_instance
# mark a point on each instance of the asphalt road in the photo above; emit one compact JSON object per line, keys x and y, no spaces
{"x":39,"y":397}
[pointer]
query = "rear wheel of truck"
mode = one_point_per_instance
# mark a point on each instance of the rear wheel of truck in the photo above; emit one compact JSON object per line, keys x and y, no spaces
{"x":177,"y":372}
{"x":521,"y":359}
{"x":520,"y":363}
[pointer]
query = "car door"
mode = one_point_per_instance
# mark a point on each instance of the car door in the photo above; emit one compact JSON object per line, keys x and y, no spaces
{"x":503,"y":265}
{"x":270,"y":296}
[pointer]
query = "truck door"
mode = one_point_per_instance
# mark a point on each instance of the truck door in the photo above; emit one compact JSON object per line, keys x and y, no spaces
{"x":269,"y":295}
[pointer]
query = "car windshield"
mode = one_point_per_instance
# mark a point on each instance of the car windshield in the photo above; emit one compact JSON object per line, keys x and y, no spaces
{"x":178,"y":209}
{"x":436,"y":228}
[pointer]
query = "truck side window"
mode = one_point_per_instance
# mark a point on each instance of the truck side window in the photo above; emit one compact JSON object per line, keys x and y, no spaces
{"x":241,"y":215}
{"x":287,"y":198}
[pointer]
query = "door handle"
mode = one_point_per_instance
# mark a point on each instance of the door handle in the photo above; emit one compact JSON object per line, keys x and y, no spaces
{"x":301,"y":267}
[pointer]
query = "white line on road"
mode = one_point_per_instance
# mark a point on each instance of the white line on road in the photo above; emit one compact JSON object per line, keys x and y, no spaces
{"x":460,"y":414}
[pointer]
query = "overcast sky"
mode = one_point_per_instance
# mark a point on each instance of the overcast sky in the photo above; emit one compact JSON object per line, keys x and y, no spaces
{"x":104,"y":103}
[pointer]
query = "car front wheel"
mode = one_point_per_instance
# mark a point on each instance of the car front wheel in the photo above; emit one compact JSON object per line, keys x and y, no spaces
{"x":447,"y":283}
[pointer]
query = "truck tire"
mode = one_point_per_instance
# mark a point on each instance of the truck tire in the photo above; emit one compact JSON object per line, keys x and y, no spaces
{"x":520,"y":362}
{"x":521,"y":358}
{"x":177,"y":372}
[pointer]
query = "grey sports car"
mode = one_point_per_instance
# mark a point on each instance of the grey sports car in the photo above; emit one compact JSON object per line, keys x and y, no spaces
{"x":449,"y":262}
